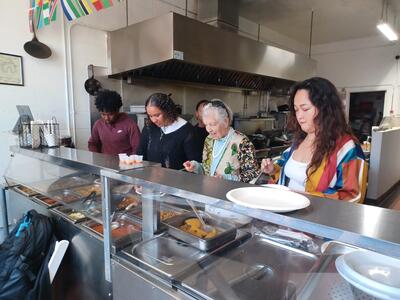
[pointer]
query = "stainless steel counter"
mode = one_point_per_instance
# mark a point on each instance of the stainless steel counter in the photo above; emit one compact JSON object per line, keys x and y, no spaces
{"x":366,"y":226}
{"x":83,"y":160}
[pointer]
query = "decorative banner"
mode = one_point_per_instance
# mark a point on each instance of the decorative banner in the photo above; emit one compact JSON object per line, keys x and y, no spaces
{"x":97,"y":4}
{"x":53,"y":10}
{"x":41,"y":12}
{"x":85,"y":7}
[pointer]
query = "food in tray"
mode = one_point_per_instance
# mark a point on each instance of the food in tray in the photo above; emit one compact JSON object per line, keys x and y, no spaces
{"x":67,"y":197}
{"x":164,"y":214}
{"x":128,"y":202}
{"x":47,"y":200}
{"x":122,"y":189}
{"x":76,"y":215}
{"x":25,"y":190}
{"x":117,"y":231}
{"x":85,"y":191}
{"x":193,"y":226}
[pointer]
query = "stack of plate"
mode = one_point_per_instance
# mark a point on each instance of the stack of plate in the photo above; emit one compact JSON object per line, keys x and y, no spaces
{"x":372,"y":273}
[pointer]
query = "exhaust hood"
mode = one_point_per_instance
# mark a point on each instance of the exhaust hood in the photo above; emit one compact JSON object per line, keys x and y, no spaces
{"x":179,"y":48}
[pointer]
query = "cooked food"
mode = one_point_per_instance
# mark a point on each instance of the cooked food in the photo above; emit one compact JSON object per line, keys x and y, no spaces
{"x":122,"y":189}
{"x":193,"y":226}
{"x":68,"y":197}
{"x":166,"y":214}
{"x":76,"y":215}
{"x":128,"y":201}
{"x":47,"y":200}
{"x":26,"y":190}
{"x":118,"y":232}
{"x":85,"y":191}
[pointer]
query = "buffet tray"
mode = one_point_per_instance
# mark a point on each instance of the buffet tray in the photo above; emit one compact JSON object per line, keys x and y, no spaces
{"x":225,"y":231}
{"x":25,"y":190}
{"x":166,"y":212}
{"x":44,"y":200}
{"x":171,"y":258}
{"x":131,"y":226}
{"x":66,"y":212}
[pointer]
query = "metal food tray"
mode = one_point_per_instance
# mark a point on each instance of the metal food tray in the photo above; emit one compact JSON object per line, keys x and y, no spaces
{"x":226,"y":231}
{"x":65,"y":211}
{"x":19,"y":189}
{"x":66,"y":196}
{"x":39,"y":199}
{"x":137,"y":211}
{"x":117,"y":198}
{"x":123,"y":241}
{"x":86,"y":190}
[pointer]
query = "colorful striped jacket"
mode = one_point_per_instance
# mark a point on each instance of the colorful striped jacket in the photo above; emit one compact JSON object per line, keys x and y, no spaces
{"x":338,"y":175}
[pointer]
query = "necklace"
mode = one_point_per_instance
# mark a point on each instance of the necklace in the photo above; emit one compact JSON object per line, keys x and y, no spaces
{"x":228,"y":137}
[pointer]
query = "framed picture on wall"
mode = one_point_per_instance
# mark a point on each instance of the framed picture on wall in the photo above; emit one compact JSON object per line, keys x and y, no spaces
{"x":11,"y":70}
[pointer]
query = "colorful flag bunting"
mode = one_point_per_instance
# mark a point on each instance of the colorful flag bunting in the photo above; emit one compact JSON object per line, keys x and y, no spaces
{"x":46,"y":12}
{"x":107,"y":3}
{"x":53,"y":10}
{"x":70,"y":10}
{"x":85,"y":7}
{"x":97,"y":4}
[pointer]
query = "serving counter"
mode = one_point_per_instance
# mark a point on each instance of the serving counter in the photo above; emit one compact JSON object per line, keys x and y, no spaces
{"x":154,"y":247}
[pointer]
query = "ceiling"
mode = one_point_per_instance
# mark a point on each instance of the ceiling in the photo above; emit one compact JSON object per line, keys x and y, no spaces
{"x":334,"y":20}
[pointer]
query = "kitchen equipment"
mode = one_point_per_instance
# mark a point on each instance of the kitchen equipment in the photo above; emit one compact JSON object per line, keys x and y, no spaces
{"x":92,"y":86}
{"x":250,"y":126}
{"x":269,"y":199}
{"x":42,"y":199}
{"x":225,"y":232}
{"x":204,"y":226}
{"x":173,"y":259}
{"x":35,"y":48}
{"x":256,"y":269}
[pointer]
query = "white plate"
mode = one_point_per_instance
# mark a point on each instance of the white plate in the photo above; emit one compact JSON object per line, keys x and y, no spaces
{"x":276,"y":186}
{"x":268,"y":199}
{"x":373,"y":273}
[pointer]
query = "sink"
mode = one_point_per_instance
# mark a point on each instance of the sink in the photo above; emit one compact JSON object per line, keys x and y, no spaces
{"x":257,"y":269}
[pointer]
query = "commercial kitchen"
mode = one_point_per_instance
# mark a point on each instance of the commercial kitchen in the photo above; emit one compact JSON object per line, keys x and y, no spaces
{"x":123,"y":223}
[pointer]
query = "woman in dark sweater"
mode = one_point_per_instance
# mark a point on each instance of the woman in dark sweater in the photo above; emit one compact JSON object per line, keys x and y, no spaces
{"x":167,"y":139}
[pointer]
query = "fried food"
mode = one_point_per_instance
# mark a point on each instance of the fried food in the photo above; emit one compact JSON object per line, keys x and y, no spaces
{"x":193,"y":226}
{"x":128,"y":201}
{"x":76,"y":216}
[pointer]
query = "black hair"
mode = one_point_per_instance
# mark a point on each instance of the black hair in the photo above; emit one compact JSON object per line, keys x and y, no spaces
{"x":108,"y":101}
{"x":202,"y":102}
{"x":165,"y":103}
{"x":330,"y":122}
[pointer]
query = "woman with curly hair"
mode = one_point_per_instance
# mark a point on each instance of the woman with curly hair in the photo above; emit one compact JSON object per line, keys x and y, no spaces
{"x":167,"y":139}
{"x":325,"y":157}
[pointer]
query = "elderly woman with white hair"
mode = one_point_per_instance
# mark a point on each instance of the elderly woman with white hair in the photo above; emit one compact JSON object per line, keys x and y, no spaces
{"x":227,"y":153}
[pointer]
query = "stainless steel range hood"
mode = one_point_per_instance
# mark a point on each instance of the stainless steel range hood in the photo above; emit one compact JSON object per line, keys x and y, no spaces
{"x":178,"y":48}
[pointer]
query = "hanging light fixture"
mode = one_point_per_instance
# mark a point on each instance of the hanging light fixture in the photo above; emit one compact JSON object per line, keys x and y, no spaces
{"x":384,"y":25}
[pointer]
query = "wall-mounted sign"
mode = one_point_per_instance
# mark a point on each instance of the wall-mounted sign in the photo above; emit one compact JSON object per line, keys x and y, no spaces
{"x":11,"y":70}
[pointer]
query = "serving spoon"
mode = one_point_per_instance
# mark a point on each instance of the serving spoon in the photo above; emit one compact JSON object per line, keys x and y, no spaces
{"x":205,"y":227}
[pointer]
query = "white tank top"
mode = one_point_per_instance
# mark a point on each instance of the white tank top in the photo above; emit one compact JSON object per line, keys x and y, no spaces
{"x":296,"y":171}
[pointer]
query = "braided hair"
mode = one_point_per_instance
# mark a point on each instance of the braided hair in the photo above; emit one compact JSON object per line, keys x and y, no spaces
{"x":165,"y":103}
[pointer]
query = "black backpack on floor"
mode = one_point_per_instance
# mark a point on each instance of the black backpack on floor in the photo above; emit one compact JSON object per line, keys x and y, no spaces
{"x":22,"y":257}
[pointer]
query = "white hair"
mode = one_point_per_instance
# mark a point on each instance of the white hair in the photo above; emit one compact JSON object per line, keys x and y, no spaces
{"x":223,"y":111}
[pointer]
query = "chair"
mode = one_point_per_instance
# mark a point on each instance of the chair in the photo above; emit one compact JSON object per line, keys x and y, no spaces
{"x":362,"y":181}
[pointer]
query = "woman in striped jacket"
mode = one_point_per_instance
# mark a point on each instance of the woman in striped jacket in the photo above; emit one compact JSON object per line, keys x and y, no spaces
{"x":325,"y":158}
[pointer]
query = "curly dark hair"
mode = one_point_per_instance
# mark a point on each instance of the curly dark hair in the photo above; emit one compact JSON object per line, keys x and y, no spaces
{"x":108,"y":101}
{"x":330,"y":122}
{"x":165,"y":103}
